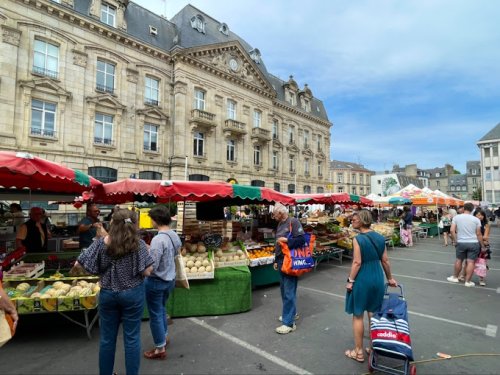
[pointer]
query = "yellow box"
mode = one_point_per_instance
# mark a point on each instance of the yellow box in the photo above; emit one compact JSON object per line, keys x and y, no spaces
{"x":144,"y":219}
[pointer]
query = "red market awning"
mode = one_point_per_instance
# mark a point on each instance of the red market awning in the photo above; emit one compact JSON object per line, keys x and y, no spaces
{"x":130,"y":190}
{"x":331,"y":198}
{"x":21,"y":170}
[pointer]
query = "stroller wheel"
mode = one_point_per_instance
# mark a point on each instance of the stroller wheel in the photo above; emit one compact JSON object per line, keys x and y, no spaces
{"x":413,"y":370}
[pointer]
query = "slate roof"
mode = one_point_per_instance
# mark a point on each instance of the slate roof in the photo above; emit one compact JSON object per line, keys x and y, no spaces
{"x":458,"y":179}
{"x":493,"y":134}
{"x":178,"y":32}
{"x":337,"y":164}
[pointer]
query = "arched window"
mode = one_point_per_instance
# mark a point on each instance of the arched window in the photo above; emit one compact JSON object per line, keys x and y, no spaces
{"x":277,"y":186}
{"x":291,"y":188}
{"x":103,"y":174}
{"x":320,"y":189}
{"x":307,"y":189}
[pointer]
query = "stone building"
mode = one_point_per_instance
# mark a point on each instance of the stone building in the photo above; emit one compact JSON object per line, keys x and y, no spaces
{"x":113,"y":89}
{"x":490,"y":162}
{"x":350,"y":178}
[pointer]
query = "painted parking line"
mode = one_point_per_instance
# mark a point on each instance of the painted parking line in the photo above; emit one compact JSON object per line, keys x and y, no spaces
{"x":280,"y":362}
{"x":489,"y":330}
{"x":441,"y":252}
{"x":425,"y":279}
{"x":432,"y":262}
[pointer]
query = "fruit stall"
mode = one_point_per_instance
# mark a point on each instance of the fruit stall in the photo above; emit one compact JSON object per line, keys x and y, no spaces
{"x":217,"y":253}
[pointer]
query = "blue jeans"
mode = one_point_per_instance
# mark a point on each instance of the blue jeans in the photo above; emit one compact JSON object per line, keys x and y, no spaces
{"x":124,"y":307}
{"x":157,"y":292}
{"x":288,"y":288}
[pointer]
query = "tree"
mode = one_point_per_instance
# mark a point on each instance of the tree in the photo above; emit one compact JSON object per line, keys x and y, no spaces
{"x":477,"y":195}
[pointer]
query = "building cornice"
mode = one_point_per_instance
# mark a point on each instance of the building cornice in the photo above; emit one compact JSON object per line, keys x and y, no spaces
{"x":90,"y":24}
{"x":301,"y":113}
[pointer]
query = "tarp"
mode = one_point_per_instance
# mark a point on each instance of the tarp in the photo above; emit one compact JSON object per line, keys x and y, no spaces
{"x":130,"y":190}
{"x":21,"y":170}
{"x":331,"y":198}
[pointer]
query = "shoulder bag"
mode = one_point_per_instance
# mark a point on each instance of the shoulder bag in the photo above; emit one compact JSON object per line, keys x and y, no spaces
{"x":300,"y":260}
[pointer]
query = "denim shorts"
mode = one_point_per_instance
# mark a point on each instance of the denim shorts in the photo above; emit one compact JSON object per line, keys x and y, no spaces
{"x":467,"y":250}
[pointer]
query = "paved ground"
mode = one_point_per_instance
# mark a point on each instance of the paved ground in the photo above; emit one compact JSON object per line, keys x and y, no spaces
{"x":444,"y":317}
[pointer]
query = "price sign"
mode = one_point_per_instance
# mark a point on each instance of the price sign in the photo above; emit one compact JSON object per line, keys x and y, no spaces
{"x":212,"y":240}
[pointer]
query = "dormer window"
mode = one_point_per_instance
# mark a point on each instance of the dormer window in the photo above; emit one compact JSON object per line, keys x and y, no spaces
{"x":255,"y":55}
{"x":292,"y":99}
{"x":198,"y":23}
{"x":108,"y":14}
{"x":224,"y":29}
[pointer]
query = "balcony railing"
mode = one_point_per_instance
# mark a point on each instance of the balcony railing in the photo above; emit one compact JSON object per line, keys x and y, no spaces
{"x":235,"y":126}
{"x":49,"y":133}
{"x":202,"y":115}
{"x":103,"y":141}
{"x":202,"y":119}
{"x":45,"y":72}
{"x":262,"y":134}
{"x":152,"y":102}
{"x":103,"y":88}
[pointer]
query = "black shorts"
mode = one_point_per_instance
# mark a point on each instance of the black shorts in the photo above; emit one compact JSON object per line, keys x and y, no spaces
{"x":446,"y":229}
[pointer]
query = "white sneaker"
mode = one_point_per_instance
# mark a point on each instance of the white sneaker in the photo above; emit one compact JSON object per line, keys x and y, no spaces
{"x":283,"y":330}
{"x":452,"y":279}
{"x":296,"y":317}
{"x":469,"y":284}
{"x":482,"y":283}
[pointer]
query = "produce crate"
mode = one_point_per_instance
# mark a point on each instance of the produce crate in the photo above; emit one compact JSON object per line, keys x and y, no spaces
{"x":233,"y":263}
{"x":203,"y":275}
{"x":25,"y":271}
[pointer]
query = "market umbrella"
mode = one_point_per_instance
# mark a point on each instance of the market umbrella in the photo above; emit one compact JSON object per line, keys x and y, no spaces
{"x":21,"y":170}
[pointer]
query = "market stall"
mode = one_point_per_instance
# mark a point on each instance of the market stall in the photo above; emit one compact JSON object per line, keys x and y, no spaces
{"x":200,"y":220}
{"x":36,"y":284}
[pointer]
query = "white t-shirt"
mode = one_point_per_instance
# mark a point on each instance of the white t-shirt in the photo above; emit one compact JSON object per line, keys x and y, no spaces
{"x":466,"y":227}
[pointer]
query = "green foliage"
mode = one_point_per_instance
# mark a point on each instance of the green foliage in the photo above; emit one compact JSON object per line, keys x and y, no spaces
{"x":456,"y":172}
{"x":477,"y":195}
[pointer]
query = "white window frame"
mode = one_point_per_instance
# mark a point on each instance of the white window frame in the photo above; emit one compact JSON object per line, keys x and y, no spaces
{"x":46,"y":111}
{"x":45,"y":58}
{"x":231,"y":150}
{"x":150,"y":134}
{"x":257,"y":156}
{"x":151,"y":90}
{"x":106,"y":122}
{"x":320,"y":169}
{"x":257,"y":118}
{"x":307,"y":169}
{"x":340,"y":178}
{"x":108,"y":14}
{"x":275,"y":160}
{"x":199,"y":144}
{"x":291,"y":164}
{"x":107,"y":77}
{"x":231,"y":109}
{"x":275,"y":129}
{"x":199,"y":99}
{"x":306,"y":138}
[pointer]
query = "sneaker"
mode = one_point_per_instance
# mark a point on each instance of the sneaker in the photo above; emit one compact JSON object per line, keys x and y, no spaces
{"x":283,"y":330}
{"x":461,"y":279}
{"x":469,"y":284}
{"x":296,"y":317}
{"x":452,"y":279}
{"x":482,"y":283}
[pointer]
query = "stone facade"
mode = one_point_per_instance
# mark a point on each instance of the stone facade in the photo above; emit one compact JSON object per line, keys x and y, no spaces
{"x":351,"y":178}
{"x":106,"y":128}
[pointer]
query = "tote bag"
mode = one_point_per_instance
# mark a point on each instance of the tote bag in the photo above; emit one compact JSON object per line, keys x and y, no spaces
{"x":300,"y":260}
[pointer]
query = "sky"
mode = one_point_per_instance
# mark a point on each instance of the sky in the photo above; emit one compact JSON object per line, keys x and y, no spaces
{"x":403,"y":82}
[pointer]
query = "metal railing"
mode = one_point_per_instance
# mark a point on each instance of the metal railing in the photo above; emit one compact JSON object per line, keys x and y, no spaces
{"x":151,"y":102}
{"x":49,"y":133}
{"x":103,"y":88}
{"x":103,"y":141}
{"x":45,"y":72}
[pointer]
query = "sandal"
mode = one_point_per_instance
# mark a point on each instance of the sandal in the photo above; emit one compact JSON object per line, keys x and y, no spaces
{"x":353,"y":354}
{"x":152,"y":354}
{"x":283,"y":330}
{"x":368,"y":350}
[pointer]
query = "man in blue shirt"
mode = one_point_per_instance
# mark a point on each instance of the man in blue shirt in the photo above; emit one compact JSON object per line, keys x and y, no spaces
{"x":89,"y":227}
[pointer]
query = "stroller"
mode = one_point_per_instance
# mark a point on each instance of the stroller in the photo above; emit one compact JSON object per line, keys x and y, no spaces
{"x":390,"y":335}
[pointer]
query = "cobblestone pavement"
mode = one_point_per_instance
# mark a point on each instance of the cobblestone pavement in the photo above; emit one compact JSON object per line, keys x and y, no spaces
{"x":444,"y":317}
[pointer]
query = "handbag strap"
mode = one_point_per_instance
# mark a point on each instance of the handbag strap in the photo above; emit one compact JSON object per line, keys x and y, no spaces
{"x":373,"y":243}
{"x":176,"y":249}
